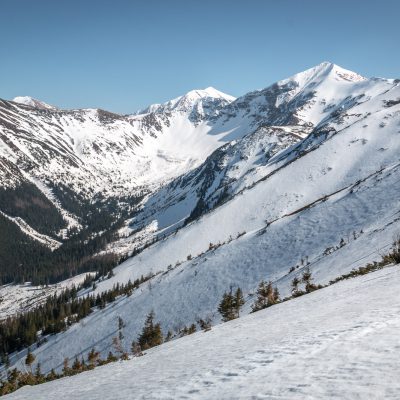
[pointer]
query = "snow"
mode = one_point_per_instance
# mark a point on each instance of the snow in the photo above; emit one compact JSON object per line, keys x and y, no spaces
{"x":32,"y":233}
{"x":72,"y":220}
{"x":322,"y":169}
{"x":30,"y":101}
{"x":19,"y":298}
{"x":187,"y":101}
{"x":95,"y":151}
{"x":337,"y":343}
{"x":193,"y":289}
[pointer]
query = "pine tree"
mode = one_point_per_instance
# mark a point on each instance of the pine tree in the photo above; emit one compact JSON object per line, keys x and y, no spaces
{"x":230,"y":305}
{"x":168,"y":337}
{"x":117,"y":341}
{"x":111,"y":357}
{"x":276,"y":295}
{"x":29,"y":360}
{"x":205,"y":325}
{"x":295,"y":285}
{"x":121,"y":325}
{"x":66,"y":370}
{"x":238,"y":302}
{"x":226,"y":307}
{"x":51,"y":375}
{"x":38,"y":374}
{"x":307,"y":280}
{"x":151,"y":333}
{"x":93,"y":356}
{"x":76,"y":366}
{"x":262,"y":297}
{"x":267,"y":296}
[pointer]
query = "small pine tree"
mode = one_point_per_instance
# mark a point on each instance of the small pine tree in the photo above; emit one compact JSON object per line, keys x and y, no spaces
{"x":226,"y":307}
{"x":136,"y":349}
{"x":151,"y":333}
{"x":76,"y":366}
{"x":262,"y":296}
{"x":276,"y":295}
{"x":238,"y":302}
{"x":66,"y":370}
{"x":121,"y":325}
{"x":29,"y":360}
{"x":205,"y":325}
{"x":39,"y":377}
{"x":51,"y":375}
{"x":192,"y":329}
{"x":307,"y":280}
{"x":93,"y":357}
{"x":111,"y":357}
{"x":267,"y":296}
{"x":230,"y":305}
{"x":295,"y":285}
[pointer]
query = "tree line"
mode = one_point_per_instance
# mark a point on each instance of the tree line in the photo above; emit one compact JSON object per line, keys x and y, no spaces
{"x":23,"y":259}
{"x":58,"y":313}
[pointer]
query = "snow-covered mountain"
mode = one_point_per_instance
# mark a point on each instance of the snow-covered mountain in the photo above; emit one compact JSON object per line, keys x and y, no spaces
{"x":96,"y":151}
{"x":74,"y":163}
{"x":304,"y":173}
{"x":30,"y":101}
{"x":318,"y":102}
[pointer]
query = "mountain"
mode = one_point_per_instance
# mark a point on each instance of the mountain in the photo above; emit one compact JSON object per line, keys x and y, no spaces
{"x":74,"y":174}
{"x":307,"y":109}
{"x":196,"y":103}
{"x":31,"y":102}
{"x":301,"y":175}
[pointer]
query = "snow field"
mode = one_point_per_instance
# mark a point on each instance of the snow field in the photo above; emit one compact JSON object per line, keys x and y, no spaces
{"x":340,"y":342}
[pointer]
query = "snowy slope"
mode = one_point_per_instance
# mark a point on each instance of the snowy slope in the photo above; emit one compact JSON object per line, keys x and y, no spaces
{"x":15,"y":299}
{"x":339,"y":184}
{"x":323,"y":100}
{"x":98,"y":156}
{"x":228,"y":170}
{"x":94,"y":150}
{"x":336,"y":343}
{"x":366,"y":217}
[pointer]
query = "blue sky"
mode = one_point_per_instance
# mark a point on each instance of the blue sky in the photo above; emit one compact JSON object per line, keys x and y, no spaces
{"x":123,"y":55}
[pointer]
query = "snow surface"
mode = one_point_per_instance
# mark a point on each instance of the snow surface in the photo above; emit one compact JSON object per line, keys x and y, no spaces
{"x":340,"y":342}
{"x":15,"y":299}
{"x":97,"y":151}
{"x":30,"y":101}
{"x":32,"y":233}
{"x":340,"y":184}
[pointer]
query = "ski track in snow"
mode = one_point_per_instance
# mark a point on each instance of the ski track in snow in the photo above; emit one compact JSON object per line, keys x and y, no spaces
{"x":340,"y":342}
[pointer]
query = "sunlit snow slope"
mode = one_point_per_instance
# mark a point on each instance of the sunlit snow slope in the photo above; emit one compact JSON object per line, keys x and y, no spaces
{"x":329,"y":201}
{"x":340,"y":342}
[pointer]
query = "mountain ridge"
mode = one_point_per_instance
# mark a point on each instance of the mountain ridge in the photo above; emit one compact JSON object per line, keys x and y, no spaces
{"x":206,"y":142}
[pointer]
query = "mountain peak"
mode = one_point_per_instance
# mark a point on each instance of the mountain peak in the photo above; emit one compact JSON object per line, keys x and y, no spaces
{"x":189,"y":100}
{"x":325,"y":70}
{"x":207,"y":92}
{"x":31,"y":102}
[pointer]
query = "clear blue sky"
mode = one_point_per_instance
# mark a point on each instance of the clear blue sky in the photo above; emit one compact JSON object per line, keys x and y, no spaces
{"x":123,"y":55}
